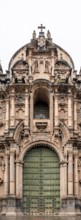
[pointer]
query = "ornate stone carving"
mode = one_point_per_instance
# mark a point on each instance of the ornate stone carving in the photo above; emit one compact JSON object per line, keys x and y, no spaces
{"x":41,"y":125}
{"x":20,"y":99}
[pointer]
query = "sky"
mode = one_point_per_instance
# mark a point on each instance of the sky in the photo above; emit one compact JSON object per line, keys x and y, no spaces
{"x":18,"y":19}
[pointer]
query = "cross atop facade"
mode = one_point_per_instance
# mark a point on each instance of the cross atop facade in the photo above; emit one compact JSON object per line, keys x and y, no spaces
{"x":41,"y":27}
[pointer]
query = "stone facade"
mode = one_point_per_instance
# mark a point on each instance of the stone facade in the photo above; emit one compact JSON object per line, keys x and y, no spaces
{"x":40,"y":72}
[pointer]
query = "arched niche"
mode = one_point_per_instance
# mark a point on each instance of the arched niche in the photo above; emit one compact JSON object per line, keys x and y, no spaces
{"x":41,"y":103}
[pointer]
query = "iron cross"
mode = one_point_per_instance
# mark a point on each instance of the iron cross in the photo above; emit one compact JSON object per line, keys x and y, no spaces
{"x":41,"y":27}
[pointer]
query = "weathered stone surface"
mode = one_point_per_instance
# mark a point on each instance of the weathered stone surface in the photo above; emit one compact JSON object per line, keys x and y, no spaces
{"x":40,"y":106}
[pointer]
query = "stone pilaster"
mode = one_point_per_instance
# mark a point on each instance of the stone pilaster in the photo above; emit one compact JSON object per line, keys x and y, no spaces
{"x":6,"y":175}
{"x":7,"y":115}
{"x":70,"y":173}
{"x":26,"y":108}
{"x":12,"y":173}
{"x":56,"y":108}
{"x":70,"y":121}
{"x":12,"y":109}
{"x":76,"y":179}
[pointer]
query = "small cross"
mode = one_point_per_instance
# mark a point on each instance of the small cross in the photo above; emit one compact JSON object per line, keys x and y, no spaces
{"x":41,"y":27}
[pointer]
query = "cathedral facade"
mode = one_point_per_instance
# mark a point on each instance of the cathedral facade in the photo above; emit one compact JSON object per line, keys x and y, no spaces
{"x":40,"y":131}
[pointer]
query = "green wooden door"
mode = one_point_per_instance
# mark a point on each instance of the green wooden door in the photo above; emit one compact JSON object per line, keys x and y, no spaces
{"x":41,"y":181}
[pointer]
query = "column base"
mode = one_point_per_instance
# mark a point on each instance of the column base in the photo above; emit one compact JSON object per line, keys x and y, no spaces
{"x":11,"y":206}
{"x":70,"y":206}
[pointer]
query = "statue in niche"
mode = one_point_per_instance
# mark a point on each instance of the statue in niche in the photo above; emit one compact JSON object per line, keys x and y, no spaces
{"x":57,"y":77}
{"x":35,"y":67}
{"x":46,"y":66}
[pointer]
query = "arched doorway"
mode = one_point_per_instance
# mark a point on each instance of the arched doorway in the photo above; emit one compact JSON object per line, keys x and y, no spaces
{"x":41,"y":181}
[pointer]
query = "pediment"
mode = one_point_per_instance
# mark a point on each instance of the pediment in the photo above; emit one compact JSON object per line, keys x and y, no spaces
{"x":62,"y":64}
{"x":20,"y":65}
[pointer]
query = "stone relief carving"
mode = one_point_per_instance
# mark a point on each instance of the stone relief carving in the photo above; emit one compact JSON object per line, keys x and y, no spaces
{"x":20,"y":99}
{"x":19,"y":114}
{"x":61,"y":76}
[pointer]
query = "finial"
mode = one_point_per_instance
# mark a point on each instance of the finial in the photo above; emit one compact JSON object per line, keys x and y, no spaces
{"x":48,"y":34}
{"x":34,"y":34}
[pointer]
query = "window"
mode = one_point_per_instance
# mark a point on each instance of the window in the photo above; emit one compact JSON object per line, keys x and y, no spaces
{"x":41,"y":103}
{"x":41,"y":110}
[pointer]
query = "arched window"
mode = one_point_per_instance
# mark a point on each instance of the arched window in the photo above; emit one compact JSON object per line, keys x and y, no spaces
{"x":41,"y":104}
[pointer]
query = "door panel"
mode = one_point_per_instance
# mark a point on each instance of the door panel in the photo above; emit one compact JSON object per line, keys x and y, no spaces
{"x":41,"y":181}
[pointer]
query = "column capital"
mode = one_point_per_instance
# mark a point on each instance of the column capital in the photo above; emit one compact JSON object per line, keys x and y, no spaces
{"x":63,"y":162}
{"x":7,"y":98}
{"x":19,"y":162}
{"x":12,"y":151}
{"x":75,"y":98}
{"x":70,"y":152}
{"x":7,"y":153}
{"x":75,"y":153}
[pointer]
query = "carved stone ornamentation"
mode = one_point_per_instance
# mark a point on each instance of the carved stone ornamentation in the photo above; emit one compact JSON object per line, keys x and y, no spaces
{"x":40,"y":131}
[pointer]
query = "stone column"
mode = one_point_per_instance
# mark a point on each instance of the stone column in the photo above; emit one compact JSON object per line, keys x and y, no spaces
{"x":19,"y":178}
{"x":31,"y":112}
{"x":75,"y":114}
{"x":29,"y":63}
{"x":63,"y":179}
{"x":56,"y":108}
{"x":26,"y":108}
{"x":12,"y":173}
{"x":70,"y":122}
{"x":70,"y":173}
{"x":51,"y":112}
{"x":76,"y":173}
{"x":12,"y":109}
{"x":7,"y":115}
{"x":52,"y":63}
{"x":6,"y":175}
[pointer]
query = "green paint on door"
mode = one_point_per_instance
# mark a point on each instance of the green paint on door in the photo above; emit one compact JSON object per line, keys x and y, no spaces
{"x":41,"y":181}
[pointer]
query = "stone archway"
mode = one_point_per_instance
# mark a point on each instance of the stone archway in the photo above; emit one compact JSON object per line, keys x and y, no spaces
{"x":41,"y":181}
